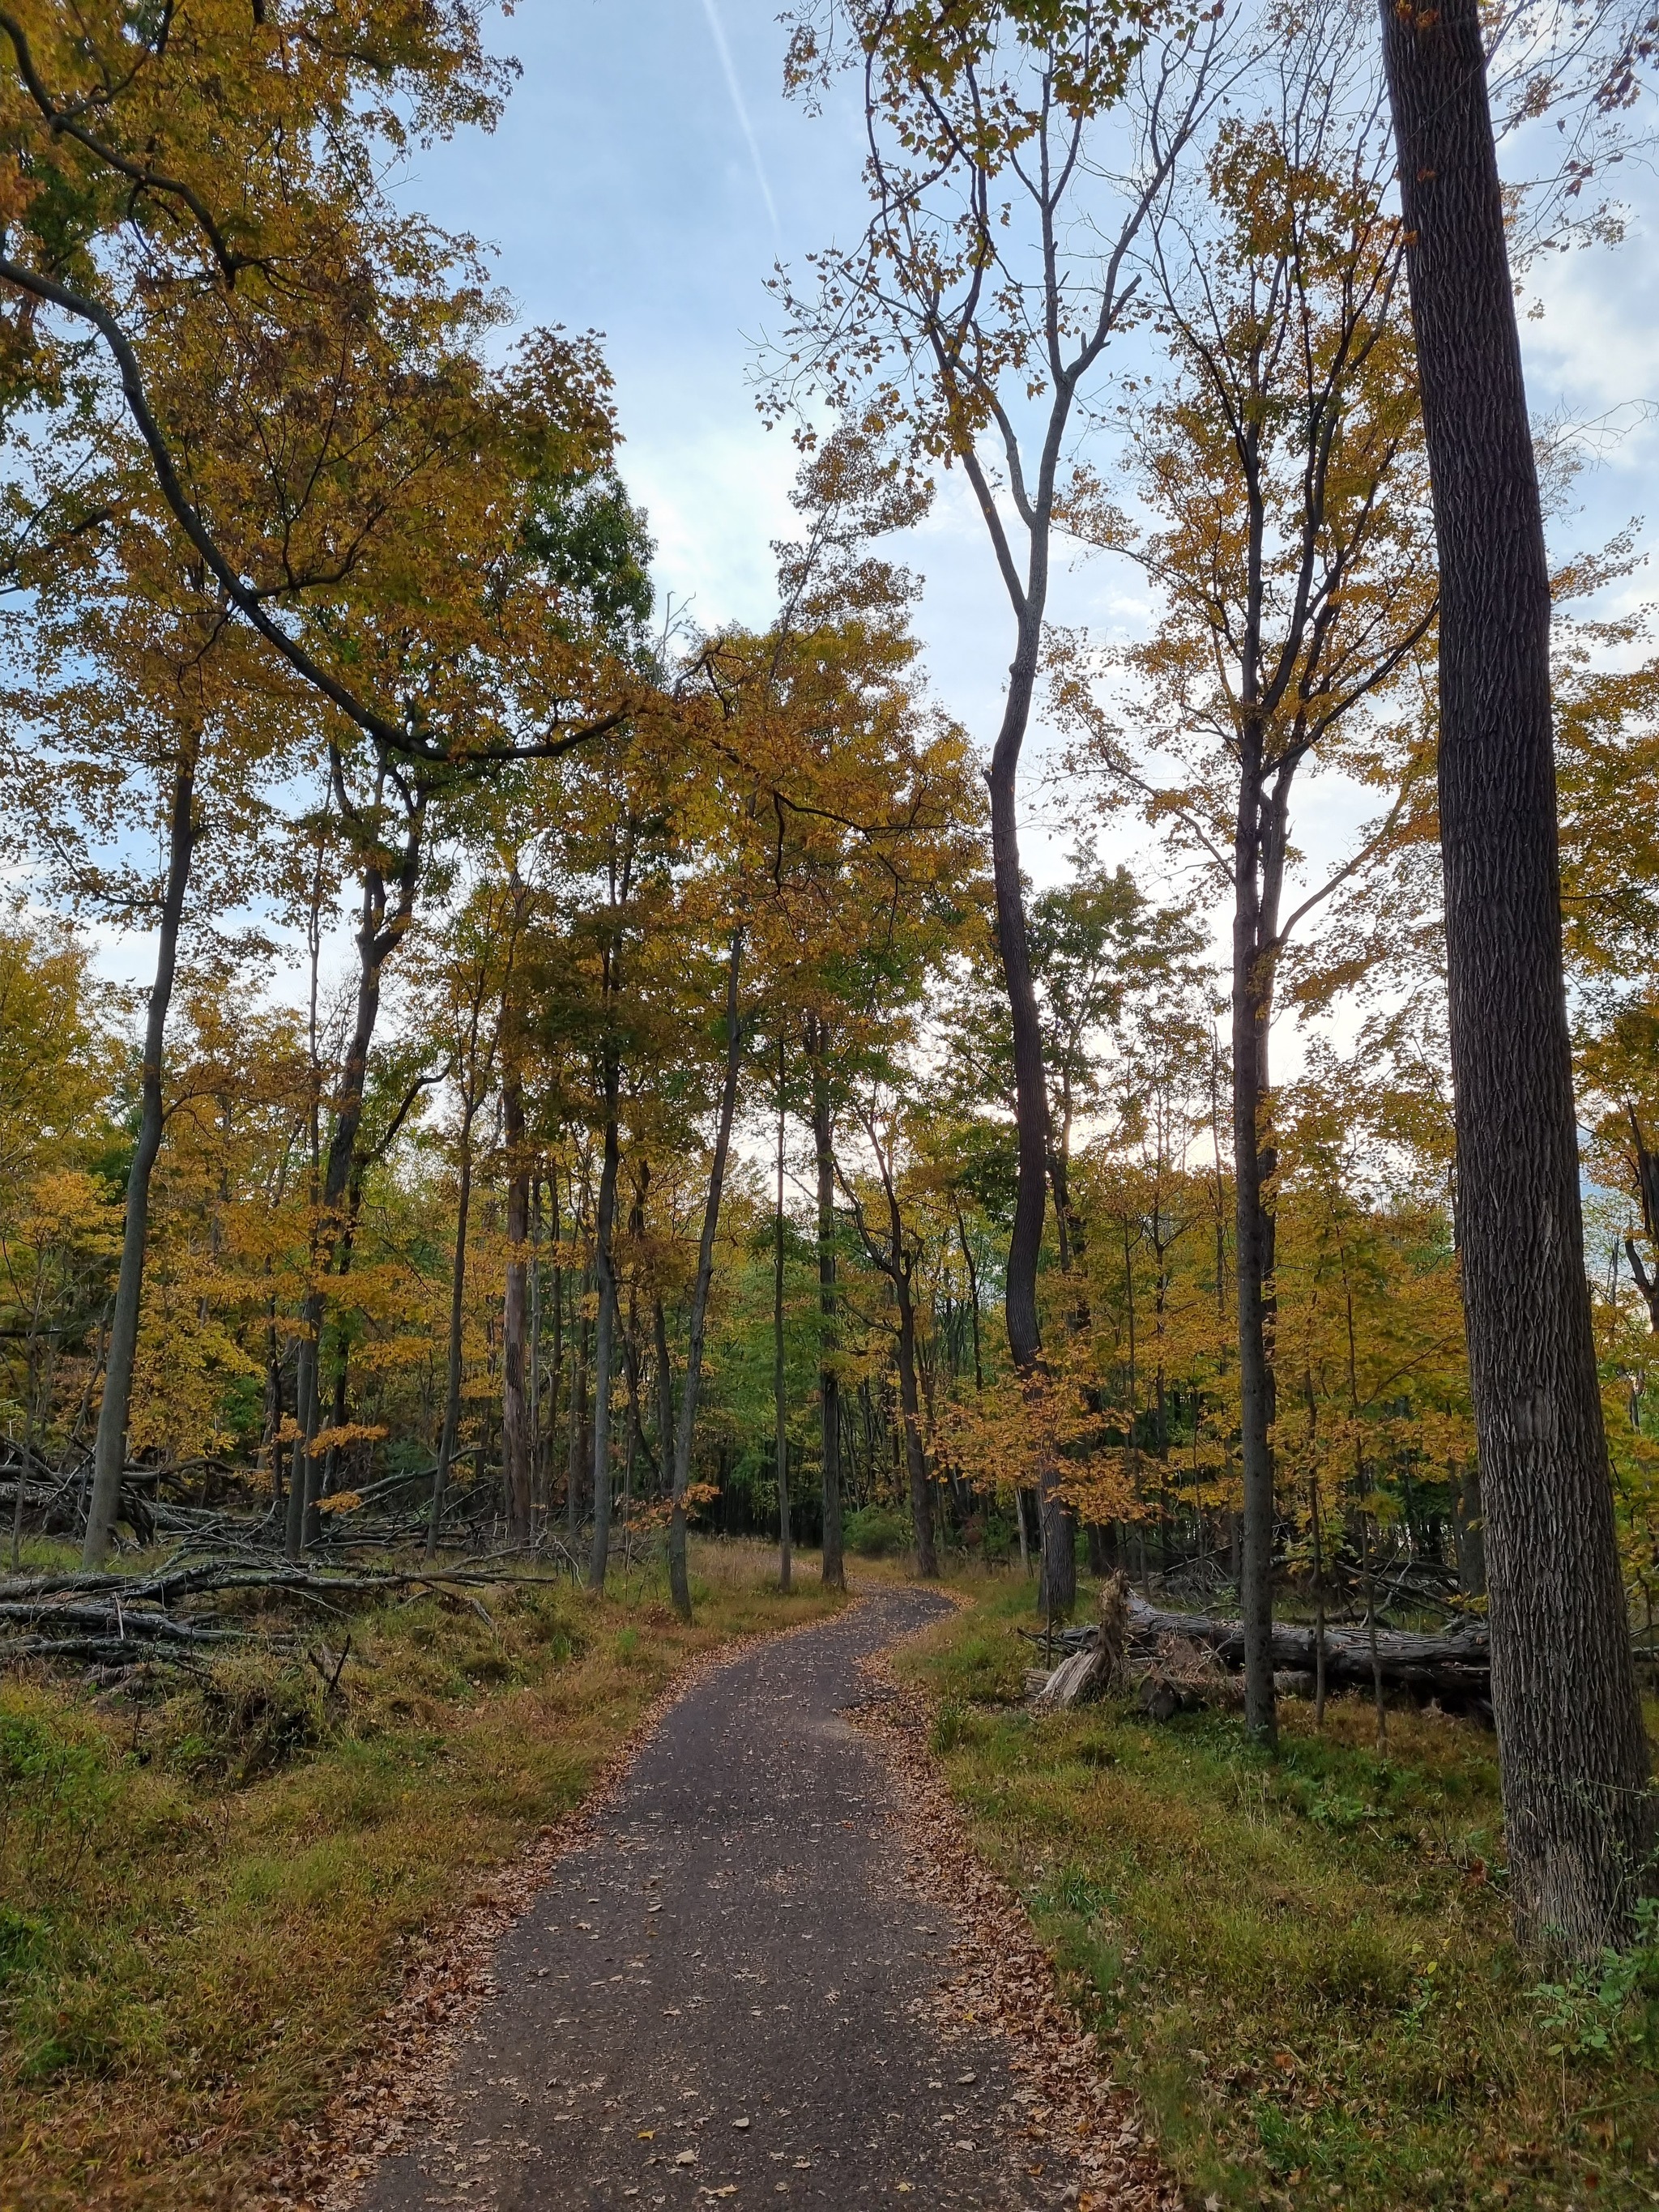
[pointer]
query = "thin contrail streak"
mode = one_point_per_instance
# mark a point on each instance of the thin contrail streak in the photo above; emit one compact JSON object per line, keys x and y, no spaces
{"x":736,"y":90}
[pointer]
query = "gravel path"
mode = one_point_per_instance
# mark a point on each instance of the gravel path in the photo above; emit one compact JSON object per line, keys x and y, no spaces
{"x":724,"y":1996}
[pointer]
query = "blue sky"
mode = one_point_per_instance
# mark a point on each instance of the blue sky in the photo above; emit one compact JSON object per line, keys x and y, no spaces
{"x":646,"y":173}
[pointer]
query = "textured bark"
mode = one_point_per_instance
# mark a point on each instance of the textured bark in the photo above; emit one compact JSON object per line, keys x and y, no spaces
{"x":110,"y":1449}
{"x":1578,"y":1810}
{"x":517,"y":1424}
{"x":824,"y":1138}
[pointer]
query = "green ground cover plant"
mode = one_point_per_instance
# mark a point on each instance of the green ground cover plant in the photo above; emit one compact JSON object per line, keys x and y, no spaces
{"x":207,"y":1895}
{"x":1302,"y":1965}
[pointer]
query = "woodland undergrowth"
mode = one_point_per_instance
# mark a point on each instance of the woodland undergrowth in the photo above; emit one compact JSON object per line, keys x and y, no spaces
{"x":208,"y":1893}
{"x":1301,"y":1964}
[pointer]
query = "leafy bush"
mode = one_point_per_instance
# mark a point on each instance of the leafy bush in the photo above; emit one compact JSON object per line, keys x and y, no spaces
{"x":875,"y":1532}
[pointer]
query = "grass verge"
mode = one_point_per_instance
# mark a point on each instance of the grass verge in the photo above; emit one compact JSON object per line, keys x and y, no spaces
{"x":1300,"y":1965}
{"x":207,"y":1898}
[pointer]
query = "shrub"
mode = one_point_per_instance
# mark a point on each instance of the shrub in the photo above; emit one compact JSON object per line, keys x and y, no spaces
{"x":875,"y":1532}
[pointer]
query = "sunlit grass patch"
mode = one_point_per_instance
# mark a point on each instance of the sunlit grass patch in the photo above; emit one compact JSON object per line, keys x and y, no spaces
{"x":205,"y":1899}
{"x":1301,"y":1964}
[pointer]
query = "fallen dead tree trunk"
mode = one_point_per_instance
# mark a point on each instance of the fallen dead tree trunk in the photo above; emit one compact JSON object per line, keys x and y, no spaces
{"x":123,"y":1619}
{"x":1454,"y":1668}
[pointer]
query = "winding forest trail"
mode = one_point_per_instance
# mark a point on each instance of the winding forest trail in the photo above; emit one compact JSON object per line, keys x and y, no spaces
{"x":726,"y":1991}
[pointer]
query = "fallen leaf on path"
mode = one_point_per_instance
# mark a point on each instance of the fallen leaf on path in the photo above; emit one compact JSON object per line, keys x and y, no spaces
{"x":685,"y":2157}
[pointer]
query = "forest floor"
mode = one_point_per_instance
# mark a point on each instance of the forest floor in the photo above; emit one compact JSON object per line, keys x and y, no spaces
{"x":1300,"y":1966}
{"x":221,"y":1896}
{"x":558,"y":1902}
{"x":741,"y":1988}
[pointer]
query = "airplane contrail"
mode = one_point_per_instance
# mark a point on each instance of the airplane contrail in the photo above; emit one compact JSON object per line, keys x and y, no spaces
{"x":736,"y":90}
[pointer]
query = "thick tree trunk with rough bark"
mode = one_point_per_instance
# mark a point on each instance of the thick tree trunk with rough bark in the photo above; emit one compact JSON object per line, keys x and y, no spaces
{"x":110,"y":1451}
{"x":1578,"y":1807}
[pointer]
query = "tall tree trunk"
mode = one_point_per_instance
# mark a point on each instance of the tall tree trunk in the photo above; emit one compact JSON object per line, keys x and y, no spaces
{"x":824,"y":1139}
{"x":517,"y":1395}
{"x":575,"y":1457}
{"x":915,"y":1461}
{"x":604,"y":1335}
{"x":383,"y":923}
{"x":680,"y":1581}
{"x":456,"y":1315}
{"x":780,"y":1401}
{"x":665,"y":1391}
{"x":110,"y":1451}
{"x":1251,"y":1253}
{"x":1467,"y":1531}
{"x":1057,"y":1588}
{"x":1578,"y":1807}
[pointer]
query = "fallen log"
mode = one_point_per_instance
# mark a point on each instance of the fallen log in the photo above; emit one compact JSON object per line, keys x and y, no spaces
{"x":1454,"y":1668}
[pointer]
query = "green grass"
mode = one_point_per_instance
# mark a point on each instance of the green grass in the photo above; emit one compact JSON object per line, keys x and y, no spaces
{"x":205,"y":1901}
{"x":1301,"y":1964}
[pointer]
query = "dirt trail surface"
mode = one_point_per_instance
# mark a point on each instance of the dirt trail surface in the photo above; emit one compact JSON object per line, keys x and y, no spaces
{"x":728,"y":1991}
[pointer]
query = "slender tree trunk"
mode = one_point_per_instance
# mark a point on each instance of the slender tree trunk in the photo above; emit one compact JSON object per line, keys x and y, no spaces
{"x":518,"y":1423}
{"x":1467,"y":1531}
{"x":921,"y":1500}
{"x":824,"y":1138}
{"x":665,"y":1391}
{"x":780,"y":1401}
{"x":1253,"y":1265}
{"x":576,"y":1458}
{"x":110,"y":1451}
{"x":680,"y":1581}
{"x":1057,"y":1591}
{"x":1319,"y":1604}
{"x":1579,"y":1811}
{"x":382,"y":926}
{"x":456,"y":1315}
{"x":604,"y":1334}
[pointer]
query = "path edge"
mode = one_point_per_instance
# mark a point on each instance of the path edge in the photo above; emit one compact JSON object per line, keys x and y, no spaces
{"x":326,"y":2163}
{"x":1001,"y":1978}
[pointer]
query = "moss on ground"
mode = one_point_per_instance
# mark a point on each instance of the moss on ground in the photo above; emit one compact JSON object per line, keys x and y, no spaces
{"x":1300,"y":1964}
